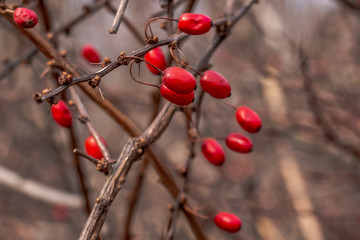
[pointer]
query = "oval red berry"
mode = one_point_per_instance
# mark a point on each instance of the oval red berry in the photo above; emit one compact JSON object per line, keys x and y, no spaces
{"x":248,"y":119}
{"x":213,"y":151}
{"x":179,"y":80}
{"x":90,"y":54}
{"x":194,"y":24}
{"x":176,"y":98}
{"x":26,"y":18}
{"x":157,"y":58}
{"x":92,"y":148}
{"x":228,"y":222}
{"x":61,"y":114}
{"x":239,"y":143}
{"x":215,"y":84}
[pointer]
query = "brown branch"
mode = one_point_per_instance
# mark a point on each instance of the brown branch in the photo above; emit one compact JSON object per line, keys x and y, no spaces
{"x":134,"y":197}
{"x":14,"y":62}
{"x":89,"y":10}
{"x":81,"y":174}
{"x":45,"y":15}
{"x":132,"y":151}
{"x":138,"y":53}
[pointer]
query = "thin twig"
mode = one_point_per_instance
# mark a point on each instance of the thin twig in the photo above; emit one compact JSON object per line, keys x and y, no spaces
{"x":14,"y":62}
{"x":119,"y":16}
{"x":127,"y":23}
{"x":80,"y":174}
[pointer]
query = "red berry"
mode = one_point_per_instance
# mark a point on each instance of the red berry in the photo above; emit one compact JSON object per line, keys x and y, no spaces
{"x":176,"y":98}
{"x":248,"y":119}
{"x":61,"y":114}
{"x":215,"y":84}
{"x":213,"y":151}
{"x":239,"y":143}
{"x":179,"y":80}
{"x":92,"y":148}
{"x":194,"y":24}
{"x":60,"y":212}
{"x":228,"y":222}
{"x":156,"y":57}
{"x":90,"y":53}
{"x":26,"y":18}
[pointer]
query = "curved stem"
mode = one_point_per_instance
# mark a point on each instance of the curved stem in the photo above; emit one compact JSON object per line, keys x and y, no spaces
{"x":144,"y":83}
{"x":174,"y":46}
{"x":154,"y":19}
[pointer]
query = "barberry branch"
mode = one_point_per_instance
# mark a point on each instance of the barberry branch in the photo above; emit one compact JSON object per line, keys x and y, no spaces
{"x":132,"y":151}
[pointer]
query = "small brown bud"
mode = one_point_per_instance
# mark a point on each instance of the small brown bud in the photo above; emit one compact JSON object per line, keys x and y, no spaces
{"x":63,"y":53}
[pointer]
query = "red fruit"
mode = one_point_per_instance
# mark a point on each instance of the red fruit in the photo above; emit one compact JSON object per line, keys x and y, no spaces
{"x":60,"y":212}
{"x":239,"y":143}
{"x":61,"y":114}
{"x":179,"y":80}
{"x":90,"y":53}
{"x":26,"y":18}
{"x":215,"y":84}
{"x":194,"y":24}
{"x":156,"y":57}
{"x":213,"y":151}
{"x":176,"y":98}
{"x":248,"y":119}
{"x":228,"y":222}
{"x":92,"y":148}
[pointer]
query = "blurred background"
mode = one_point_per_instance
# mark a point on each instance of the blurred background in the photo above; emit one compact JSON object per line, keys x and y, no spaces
{"x":295,"y":62}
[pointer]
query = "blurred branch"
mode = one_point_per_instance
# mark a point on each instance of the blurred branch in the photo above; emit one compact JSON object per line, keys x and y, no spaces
{"x":38,"y":190}
{"x":314,"y":105}
{"x":14,"y":62}
{"x":354,"y":5}
{"x":45,"y":14}
{"x":80,"y":173}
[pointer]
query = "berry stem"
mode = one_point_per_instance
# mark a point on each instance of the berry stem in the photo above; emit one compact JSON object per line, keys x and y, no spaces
{"x":9,"y":11}
{"x":154,"y":19}
{"x":229,"y":104}
{"x":88,"y":157}
{"x":173,"y":46}
{"x":144,"y":83}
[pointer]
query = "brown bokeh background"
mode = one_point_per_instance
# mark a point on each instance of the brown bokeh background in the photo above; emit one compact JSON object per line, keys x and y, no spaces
{"x":300,"y":182}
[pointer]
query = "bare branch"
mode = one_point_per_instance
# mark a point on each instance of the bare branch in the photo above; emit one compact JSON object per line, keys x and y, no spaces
{"x":119,"y":16}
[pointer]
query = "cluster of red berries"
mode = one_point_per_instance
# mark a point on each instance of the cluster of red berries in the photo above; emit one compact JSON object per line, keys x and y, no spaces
{"x":177,"y":86}
{"x":250,"y":121}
